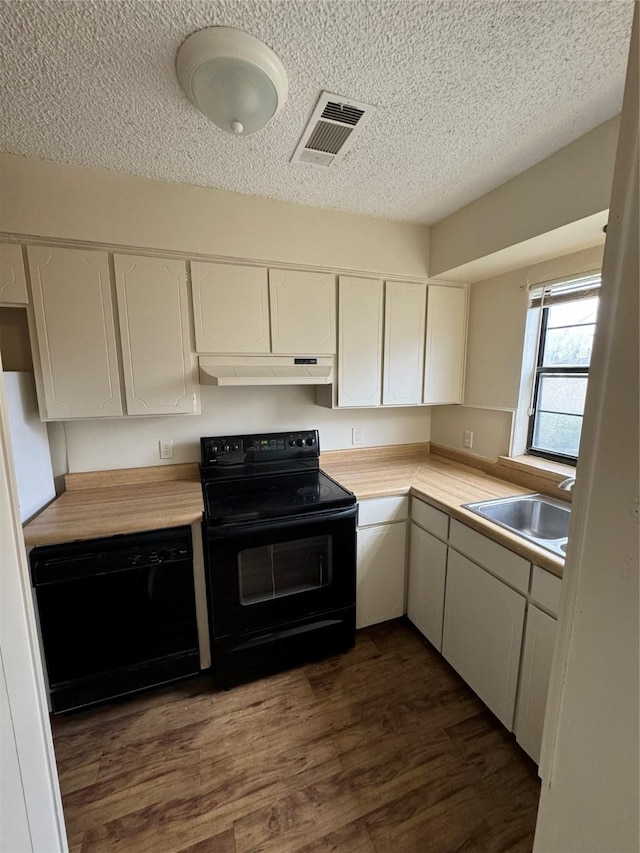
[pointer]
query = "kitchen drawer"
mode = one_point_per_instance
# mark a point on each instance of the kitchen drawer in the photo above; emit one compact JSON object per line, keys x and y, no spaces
{"x":503,"y":563}
{"x":381,"y":510}
{"x":431,"y":519}
{"x":545,"y":590}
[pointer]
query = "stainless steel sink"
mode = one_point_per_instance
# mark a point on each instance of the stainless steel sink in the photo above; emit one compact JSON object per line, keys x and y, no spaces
{"x":542,"y":520}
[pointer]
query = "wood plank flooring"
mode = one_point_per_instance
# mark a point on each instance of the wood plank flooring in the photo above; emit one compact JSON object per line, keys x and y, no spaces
{"x":382,"y":750}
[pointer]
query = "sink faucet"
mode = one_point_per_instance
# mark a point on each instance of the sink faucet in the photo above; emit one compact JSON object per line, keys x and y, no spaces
{"x":567,"y":484}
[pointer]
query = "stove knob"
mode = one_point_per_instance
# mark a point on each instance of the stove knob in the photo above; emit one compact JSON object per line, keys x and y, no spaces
{"x":236,"y":447}
{"x":300,"y":442}
{"x":310,"y":441}
{"x":225,"y":448}
{"x":292,"y":443}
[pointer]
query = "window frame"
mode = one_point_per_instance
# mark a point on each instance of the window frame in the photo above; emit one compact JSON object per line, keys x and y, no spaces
{"x":540,"y":371}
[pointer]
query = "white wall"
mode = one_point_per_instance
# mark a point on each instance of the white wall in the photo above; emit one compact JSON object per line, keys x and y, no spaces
{"x":49,"y":199}
{"x":590,"y":770}
{"x":132,"y":442}
{"x":491,"y":429}
{"x":31,"y":816}
{"x":497,"y":319}
{"x":571,"y":185}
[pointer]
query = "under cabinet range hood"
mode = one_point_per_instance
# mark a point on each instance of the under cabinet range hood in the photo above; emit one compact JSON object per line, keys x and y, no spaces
{"x":266,"y":370}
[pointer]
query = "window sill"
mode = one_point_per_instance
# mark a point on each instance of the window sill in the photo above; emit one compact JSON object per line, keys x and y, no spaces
{"x":552,"y":473}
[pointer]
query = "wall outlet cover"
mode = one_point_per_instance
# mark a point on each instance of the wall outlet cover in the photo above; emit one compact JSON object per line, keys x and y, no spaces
{"x":356,"y":435}
{"x":166,"y":448}
{"x":468,"y":438}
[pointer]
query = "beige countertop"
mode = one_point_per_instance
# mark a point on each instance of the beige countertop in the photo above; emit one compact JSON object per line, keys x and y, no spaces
{"x":443,"y":483}
{"x":107,"y":503}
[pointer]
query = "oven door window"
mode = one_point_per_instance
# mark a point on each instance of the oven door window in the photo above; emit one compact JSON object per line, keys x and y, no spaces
{"x":261,"y":576}
{"x":286,"y":568}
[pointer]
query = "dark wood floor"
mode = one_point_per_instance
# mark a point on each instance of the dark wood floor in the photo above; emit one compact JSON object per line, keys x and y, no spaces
{"x":382,"y":750}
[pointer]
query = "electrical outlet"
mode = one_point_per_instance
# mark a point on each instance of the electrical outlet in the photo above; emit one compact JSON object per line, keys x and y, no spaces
{"x":468,"y":438}
{"x":356,"y":435}
{"x":166,"y":448}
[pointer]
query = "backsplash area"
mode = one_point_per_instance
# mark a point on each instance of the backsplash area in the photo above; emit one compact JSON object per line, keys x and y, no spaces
{"x":133,"y":442}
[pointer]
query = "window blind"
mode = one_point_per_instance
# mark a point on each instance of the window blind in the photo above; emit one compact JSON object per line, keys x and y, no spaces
{"x":566,"y":290}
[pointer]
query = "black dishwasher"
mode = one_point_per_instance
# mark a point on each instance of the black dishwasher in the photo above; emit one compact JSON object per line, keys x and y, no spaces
{"x":116,"y":615}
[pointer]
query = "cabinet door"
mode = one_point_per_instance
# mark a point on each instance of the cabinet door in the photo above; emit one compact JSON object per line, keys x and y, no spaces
{"x":360,"y":337}
{"x":445,"y":344}
{"x":13,"y":284}
{"x":381,"y":572}
{"x":154,"y":327}
{"x":539,"y":641}
{"x":482,"y":637}
{"x":427,"y":573}
{"x":73,"y":314}
{"x":230,"y":308}
{"x":403,"y":343}
{"x":303,"y":312}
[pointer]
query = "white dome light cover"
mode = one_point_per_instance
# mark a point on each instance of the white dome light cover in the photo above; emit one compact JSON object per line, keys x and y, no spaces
{"x":233,"y":78}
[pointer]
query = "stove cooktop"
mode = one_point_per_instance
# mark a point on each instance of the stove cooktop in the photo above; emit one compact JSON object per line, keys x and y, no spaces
{"x":266,"y":475}
{"x":273,"y":496}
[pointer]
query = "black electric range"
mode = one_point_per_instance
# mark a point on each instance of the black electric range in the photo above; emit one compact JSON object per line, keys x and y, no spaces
{"x":280,"y":554}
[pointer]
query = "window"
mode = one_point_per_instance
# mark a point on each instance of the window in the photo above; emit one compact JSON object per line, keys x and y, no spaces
{"x":568,"y":313}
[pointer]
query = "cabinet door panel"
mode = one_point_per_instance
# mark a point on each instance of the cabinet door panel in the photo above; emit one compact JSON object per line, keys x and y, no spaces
{"x":154,"y":327}
{"x":539,"y":641}
{"x":73,"y":314}
{"x":230,"y":308}
{"x":427,"y":574}
{"x":403,"y":343}
{"x":13,"y":284}
{"x":445,"y":344}
{"x":360,"y":339}
{"x":381,"y":573}
{"x":482,"y":634}
{"x":303,"y":312}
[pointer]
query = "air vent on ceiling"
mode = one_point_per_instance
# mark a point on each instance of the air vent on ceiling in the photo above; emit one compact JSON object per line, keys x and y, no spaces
{"x":331,"y":131}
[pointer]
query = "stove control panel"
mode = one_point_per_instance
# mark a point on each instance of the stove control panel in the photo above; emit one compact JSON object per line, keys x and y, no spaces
{"x":261,"y":447}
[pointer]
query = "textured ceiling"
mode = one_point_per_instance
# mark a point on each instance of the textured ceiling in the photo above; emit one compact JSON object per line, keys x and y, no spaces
{"x":469,"y":92}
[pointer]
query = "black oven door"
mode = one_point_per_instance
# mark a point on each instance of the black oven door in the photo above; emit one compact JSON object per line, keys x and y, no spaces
{"x":267,"y":574}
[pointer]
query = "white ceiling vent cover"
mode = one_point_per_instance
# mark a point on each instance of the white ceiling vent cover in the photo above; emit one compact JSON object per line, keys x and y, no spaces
{"x":334,"y":125}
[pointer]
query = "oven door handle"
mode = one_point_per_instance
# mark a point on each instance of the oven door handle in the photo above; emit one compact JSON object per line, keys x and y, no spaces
{"x":288,"y":523}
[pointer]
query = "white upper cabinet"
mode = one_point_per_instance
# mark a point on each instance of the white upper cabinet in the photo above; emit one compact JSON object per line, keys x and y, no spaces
{"x":154,"y":328}
{"x":360,"y":313}
{"x":403,"y":343}
{"x":230,"y":308}
{"x":73,"y":315}
{"x":303,"y":312}
{"x":13,"y":284}
{"x":445,"y":343}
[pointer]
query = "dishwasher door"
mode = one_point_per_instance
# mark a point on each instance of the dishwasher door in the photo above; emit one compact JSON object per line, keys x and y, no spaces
{"x":116,"y":615}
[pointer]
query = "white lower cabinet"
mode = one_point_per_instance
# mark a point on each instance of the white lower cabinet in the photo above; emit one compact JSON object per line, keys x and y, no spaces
{"x":482,"y":637}
{"x":427,"y":574}
{"x":483,"y":601}
{"x":382,"y":540}
{"x":539,"y":641}
{"x":381,"y":573}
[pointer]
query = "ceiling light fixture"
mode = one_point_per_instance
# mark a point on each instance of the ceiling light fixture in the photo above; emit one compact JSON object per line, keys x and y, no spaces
{"x":233,"y":78}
